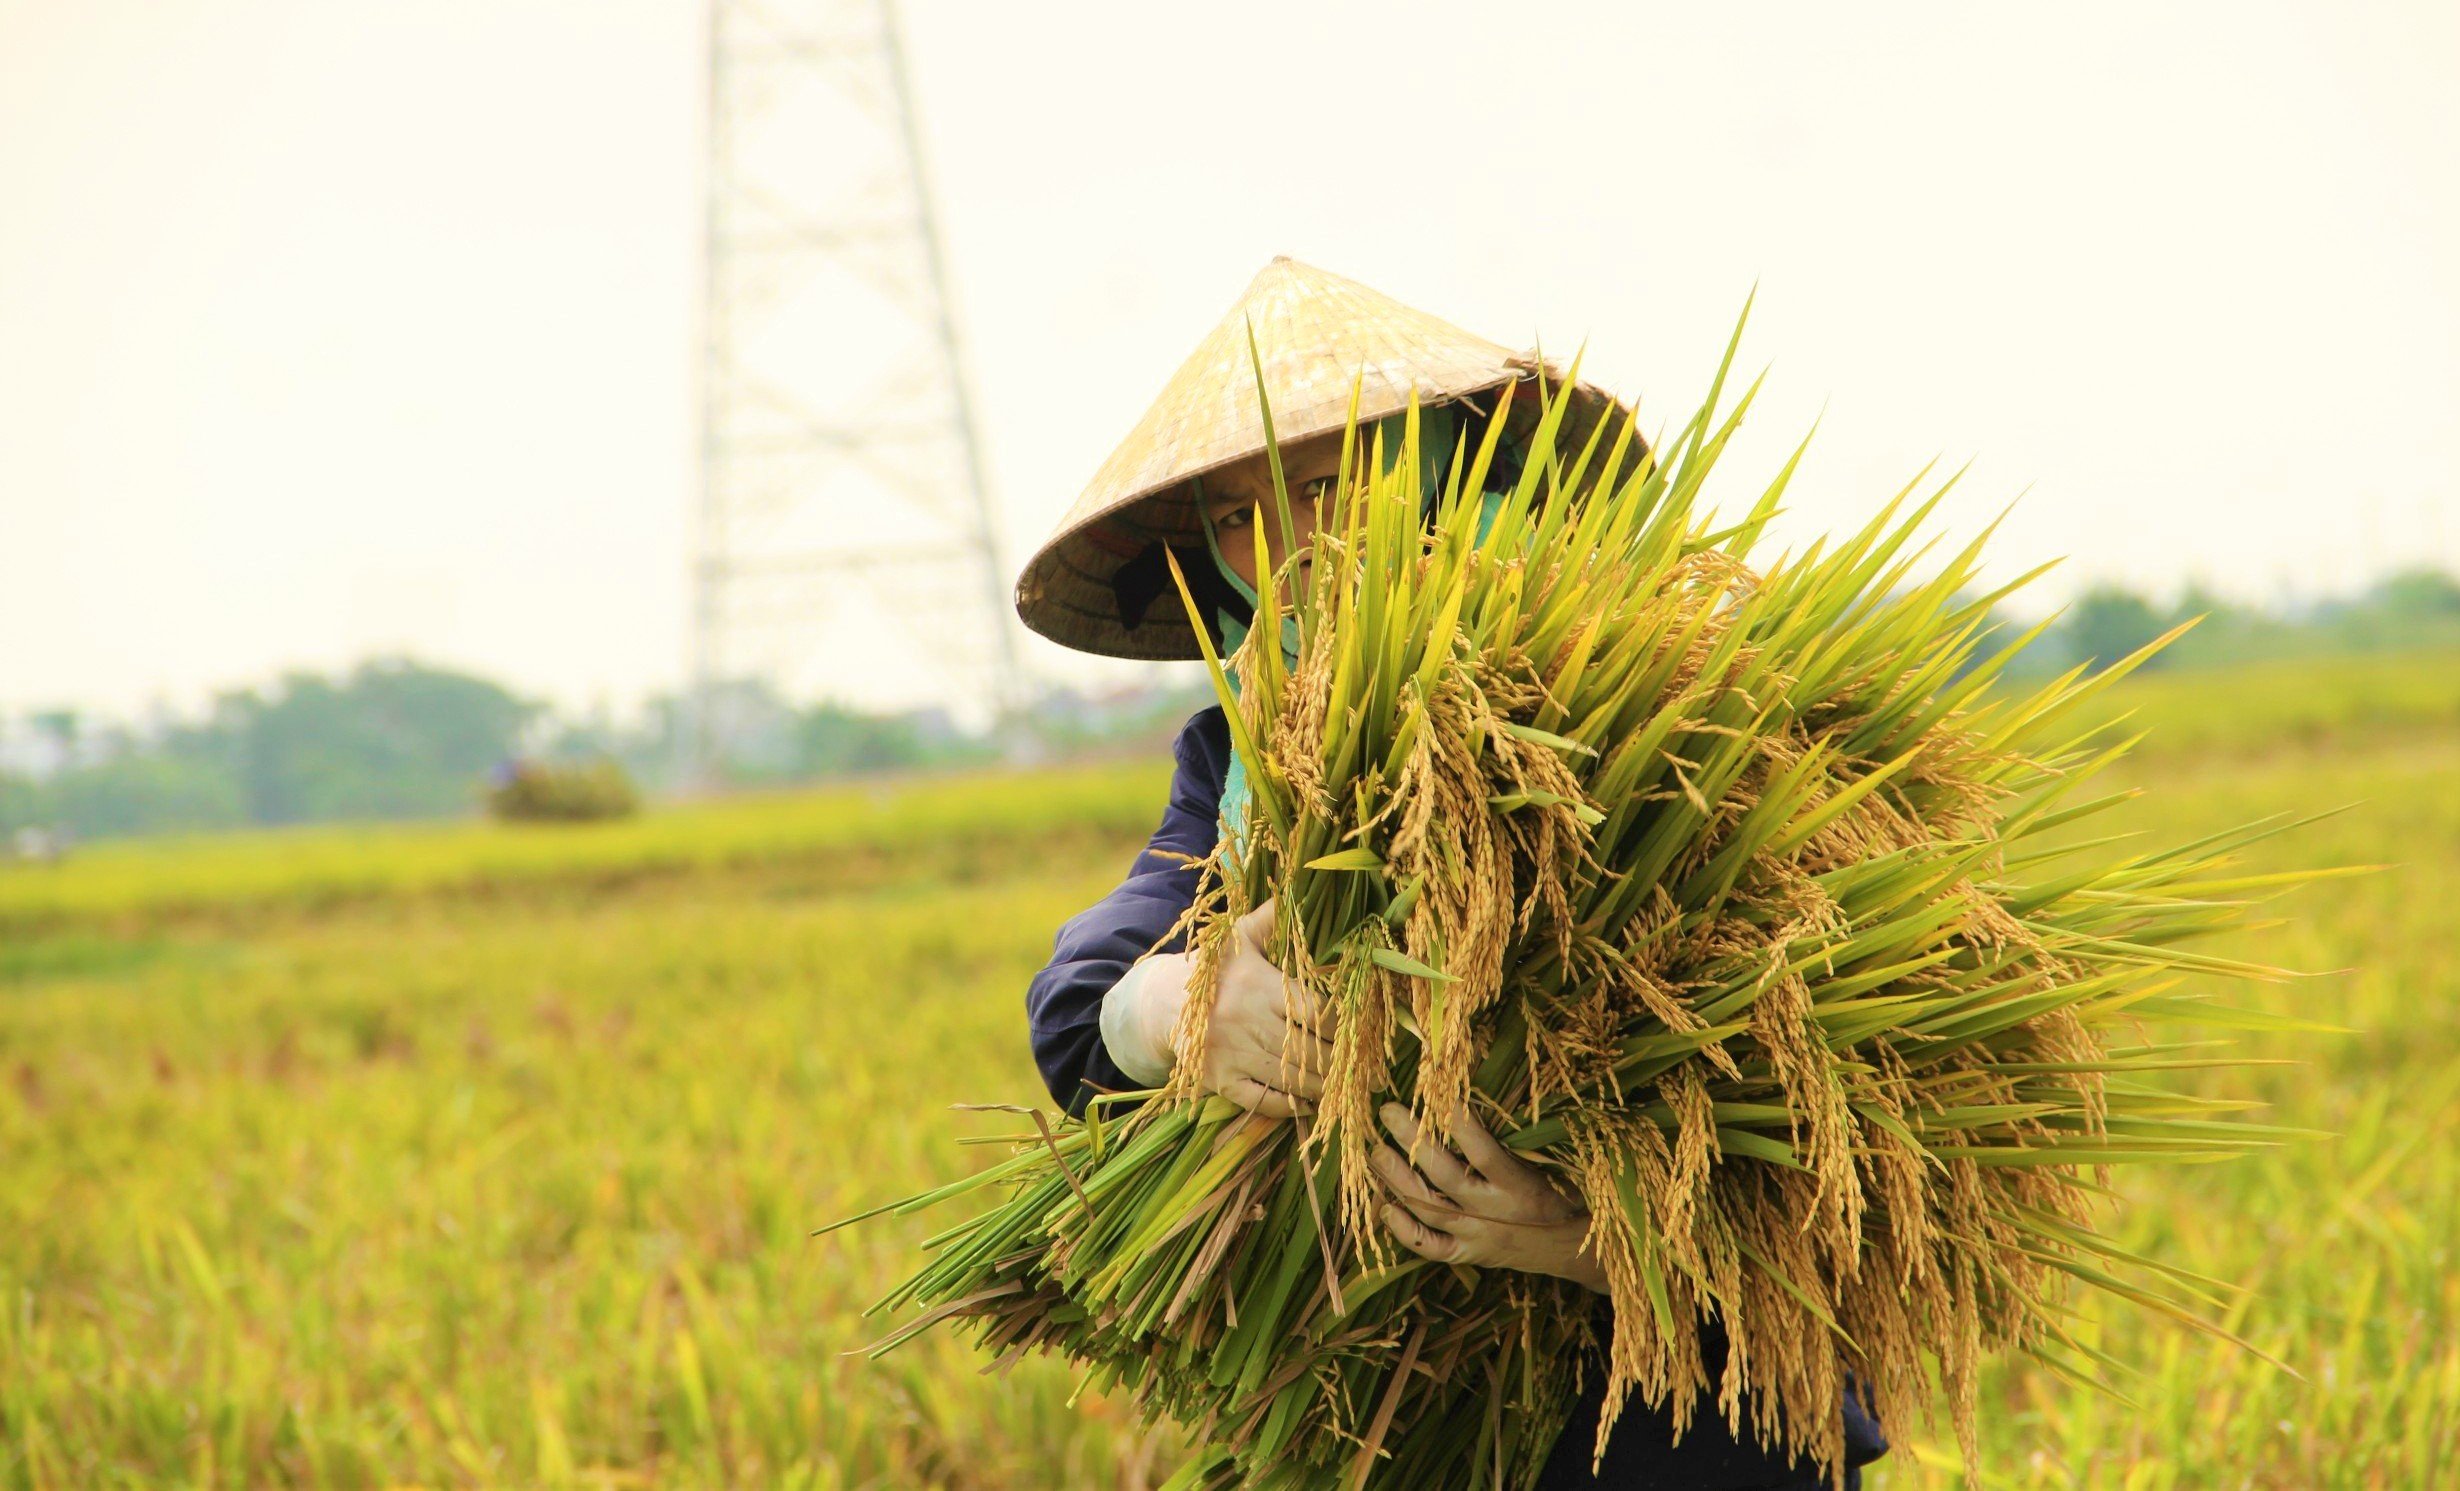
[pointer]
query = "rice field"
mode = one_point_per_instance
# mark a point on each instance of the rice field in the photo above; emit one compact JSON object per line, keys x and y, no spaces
{"x":475,"y":1156}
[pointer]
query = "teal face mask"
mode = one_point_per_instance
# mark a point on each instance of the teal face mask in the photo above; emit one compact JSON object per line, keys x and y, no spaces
{"x":1233,"y":628}
{"x":1437,"y":429}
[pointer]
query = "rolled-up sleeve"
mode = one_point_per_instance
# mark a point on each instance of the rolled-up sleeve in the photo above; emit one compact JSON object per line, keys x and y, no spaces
{"x":1063,"y":1003}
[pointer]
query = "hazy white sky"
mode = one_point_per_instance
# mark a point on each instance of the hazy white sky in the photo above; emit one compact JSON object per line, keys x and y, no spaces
{"x":335,"y":326}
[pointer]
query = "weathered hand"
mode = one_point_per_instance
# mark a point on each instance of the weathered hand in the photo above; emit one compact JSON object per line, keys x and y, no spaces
{"x":1491,"y":1208}
{"x":1267,"y":1048}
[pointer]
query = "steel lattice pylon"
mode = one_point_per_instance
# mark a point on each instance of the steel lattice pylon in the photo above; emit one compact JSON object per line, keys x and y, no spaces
{"x":845,"y":532}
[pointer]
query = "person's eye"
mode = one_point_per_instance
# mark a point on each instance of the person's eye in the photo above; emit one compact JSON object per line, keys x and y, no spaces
{"x":1235,"y":518}
{"x":1316,"y":490}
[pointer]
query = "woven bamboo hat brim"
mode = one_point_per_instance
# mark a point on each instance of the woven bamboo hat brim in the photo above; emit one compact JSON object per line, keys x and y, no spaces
{"x":1314,"y":333}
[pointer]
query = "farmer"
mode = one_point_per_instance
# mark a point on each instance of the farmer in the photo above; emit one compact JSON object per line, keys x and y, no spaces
{"x":1189,"y":478}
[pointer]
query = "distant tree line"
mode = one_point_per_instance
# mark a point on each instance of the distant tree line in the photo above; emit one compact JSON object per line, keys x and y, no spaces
{"x":398,"y":739}
{"x":391,"y":740}
{"x":2412,"y":609}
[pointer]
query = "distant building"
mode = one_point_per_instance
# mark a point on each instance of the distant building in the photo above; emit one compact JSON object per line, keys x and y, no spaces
{"x":1087,"y":714}
{"x":37,"y":845}
{"x":37,"y":752}
{"x":934,"y":726}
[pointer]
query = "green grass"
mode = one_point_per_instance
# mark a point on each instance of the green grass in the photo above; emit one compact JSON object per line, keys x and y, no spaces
{"x":2294,"y":704}
{"x":851,"y":828}
{"x":474,"y":1156}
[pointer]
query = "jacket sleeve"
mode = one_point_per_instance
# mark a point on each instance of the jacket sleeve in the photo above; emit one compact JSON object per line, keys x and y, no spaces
{"x":1063,"y":1003}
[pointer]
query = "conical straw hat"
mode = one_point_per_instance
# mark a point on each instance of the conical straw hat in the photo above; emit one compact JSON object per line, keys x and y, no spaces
{"x":1314,"y":333}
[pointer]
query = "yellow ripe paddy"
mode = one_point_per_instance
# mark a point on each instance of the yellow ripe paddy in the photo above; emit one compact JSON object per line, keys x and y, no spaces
{"x":482,"y":1156}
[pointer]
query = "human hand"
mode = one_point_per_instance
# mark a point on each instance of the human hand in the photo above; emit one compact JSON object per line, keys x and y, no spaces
{"x":1491,"y":1208}
{"x":1269,"y":1044}
{"x":1265,"y":1049}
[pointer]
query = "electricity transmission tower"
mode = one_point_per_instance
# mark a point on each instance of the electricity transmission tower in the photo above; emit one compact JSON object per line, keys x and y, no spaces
{"x":844,"y":532}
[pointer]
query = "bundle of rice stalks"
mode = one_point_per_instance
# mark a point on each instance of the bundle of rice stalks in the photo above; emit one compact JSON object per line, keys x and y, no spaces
{"x":1733,"y":894}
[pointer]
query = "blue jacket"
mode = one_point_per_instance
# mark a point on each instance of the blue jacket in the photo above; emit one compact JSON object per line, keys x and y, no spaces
{"x":1064,"y":1004}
